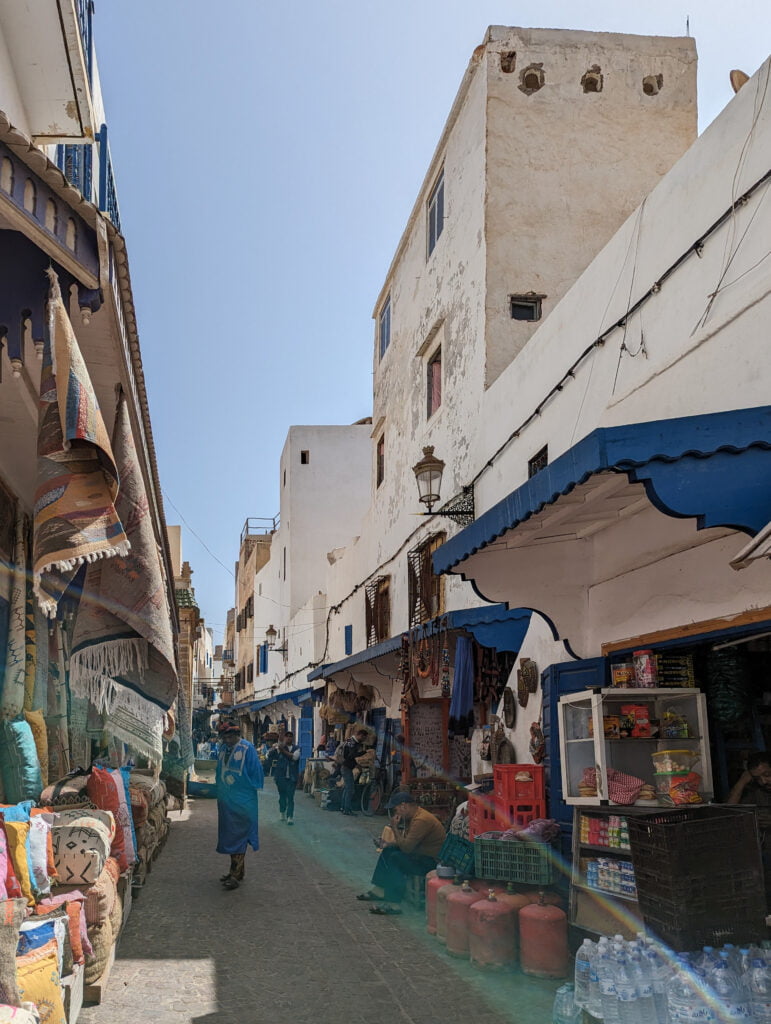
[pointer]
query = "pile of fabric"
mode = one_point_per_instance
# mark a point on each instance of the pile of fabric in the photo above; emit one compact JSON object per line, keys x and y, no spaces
{"x":148,"y":808}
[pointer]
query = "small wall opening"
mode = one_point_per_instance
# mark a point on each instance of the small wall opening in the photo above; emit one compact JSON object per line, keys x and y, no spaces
{"x":525,"y":307}
{"x":52,"y":216}
{"x":592,"y":79}
{"x":30,"y":196}
{"x":532,"y":78}
{"x":538,"y":462}
{"x":305,"y":458}
{"x":652,"y":84}
{"x":6,"y":175}
{"x":508,"y":62}
{"x":71,"y":237}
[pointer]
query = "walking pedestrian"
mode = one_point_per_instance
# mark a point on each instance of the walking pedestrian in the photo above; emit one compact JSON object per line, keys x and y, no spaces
{"x":286,"y":768}
{"x":239,"y":778}
{"x":352,"y":748}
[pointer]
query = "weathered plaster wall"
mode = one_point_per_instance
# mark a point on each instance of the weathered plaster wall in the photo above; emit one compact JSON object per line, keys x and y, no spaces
{"x":11,"y":102}
{"x":565,"y":167}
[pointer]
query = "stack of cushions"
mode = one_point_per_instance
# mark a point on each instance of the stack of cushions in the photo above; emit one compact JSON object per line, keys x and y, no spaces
{"x":148,"y":806}
{"x":39,"y":981}
{"x":26,"y":863}
{"x":107,"y":789}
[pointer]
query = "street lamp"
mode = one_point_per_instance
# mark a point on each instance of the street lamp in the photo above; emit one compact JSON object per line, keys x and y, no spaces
{"x":270,"y":636}
{"x":428,"y":475}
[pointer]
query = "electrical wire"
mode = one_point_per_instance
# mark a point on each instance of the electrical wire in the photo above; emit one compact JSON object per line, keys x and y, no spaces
{"x":197,"y":536}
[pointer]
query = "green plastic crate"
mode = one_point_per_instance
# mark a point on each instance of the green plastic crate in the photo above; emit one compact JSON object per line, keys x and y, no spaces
{"x":512,"y":860}
{"x":458,"y":853}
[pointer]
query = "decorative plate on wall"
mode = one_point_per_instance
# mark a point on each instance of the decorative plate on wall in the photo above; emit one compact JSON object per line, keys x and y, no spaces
{"x":509,"y":709}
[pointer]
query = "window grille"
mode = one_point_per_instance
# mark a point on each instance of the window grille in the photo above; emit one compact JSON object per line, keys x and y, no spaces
{"x":425,"y":590}
{"x":377,"y":596}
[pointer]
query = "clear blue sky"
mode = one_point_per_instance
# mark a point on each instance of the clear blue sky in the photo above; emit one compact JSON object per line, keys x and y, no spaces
{"x":267,"y":156}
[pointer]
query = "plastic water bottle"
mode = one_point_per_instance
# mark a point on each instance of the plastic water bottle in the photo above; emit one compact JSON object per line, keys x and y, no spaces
{"x":626,"y":992}
{"x":743,"y":961}
{"x":707,"y":960}
{"x":594,"y":1003}
{"x":685,"y":1002}
{"x":607,"y":977}
{"x":733,"y":1005}
{"x":659,"y":978}
{"x":641,"y":972}
{"x":565,"y":1010}
{"x":582,"y":973}
{"x":759,"y":984}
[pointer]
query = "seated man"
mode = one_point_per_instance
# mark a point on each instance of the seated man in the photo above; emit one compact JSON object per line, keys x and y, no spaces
{"x":754,"y":787}
{"x":413,"y":851}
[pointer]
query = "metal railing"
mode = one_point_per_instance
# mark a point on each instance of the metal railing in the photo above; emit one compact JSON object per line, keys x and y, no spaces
{"x":255,"y":525}
{"x":85,"y":10}
{"x":75,"y":163}
{"x":108,"y":196}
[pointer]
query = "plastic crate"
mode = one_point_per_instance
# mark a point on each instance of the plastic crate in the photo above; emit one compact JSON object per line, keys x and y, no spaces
{"x":510,"y":790}
{"x":481,"y":814}
{"x":510,"y":860}
{"x":458,"y":853}
{"x":699,"y":875}
{"x":508,"y":815}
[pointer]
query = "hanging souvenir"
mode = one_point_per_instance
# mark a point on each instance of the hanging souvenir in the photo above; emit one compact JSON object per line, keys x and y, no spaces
{"x":522,"y":691}
{"x":537,"y":743}
{"x":484,"y":744}
{"x":509,"y":709}
{"x":530,"y":672}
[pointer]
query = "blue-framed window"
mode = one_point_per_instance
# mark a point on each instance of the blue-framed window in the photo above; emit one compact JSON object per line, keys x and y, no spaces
{"x":384,"y":327}
{"x":349,"y":639}
{"x":263,"y":659}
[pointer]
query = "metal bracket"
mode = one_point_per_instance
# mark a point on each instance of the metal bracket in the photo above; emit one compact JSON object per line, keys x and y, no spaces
{"x":460,"y":508}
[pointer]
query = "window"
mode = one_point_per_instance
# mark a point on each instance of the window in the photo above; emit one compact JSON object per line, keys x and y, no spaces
{"x":425,"y":590}
{"x":538,"y":462}
{"x":349,"y":639}
{"x":305,"y":458}
{"x":384,"y":327}
{"x":250,"y":672}
{"x":525,"y":307}
{"x":284,"y":484}
{"x":377,"y":609}
{"x":380,"y":461}
{"x":263,"y":659}
{"x":434,"y":383}
{"x":435,"y":213}
{"x":284,"y":563}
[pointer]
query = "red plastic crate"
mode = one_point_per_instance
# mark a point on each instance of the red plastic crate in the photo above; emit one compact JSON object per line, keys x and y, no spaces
{"x":510,"y":790}
{"x":520,"y":814}
{"x":481,"y":814}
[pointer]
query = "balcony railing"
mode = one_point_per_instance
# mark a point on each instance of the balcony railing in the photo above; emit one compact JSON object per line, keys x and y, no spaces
{"x":108,"y":197}
{"x":85,"y":9}
{"x":75,"y":163}
{"x":255,"y":525}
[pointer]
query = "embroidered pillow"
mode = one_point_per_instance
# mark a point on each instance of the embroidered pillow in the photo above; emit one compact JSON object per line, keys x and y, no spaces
{"x":79,"y":853}
{"x":125,"y":775}
{"x":18,"y":762}
{"x":76,"y":921}
{"x":12,"y":913}
{"x":17,"y":1015}
{"x":39,"y":983}
{"x":55,"y":924}
{"x":16,"y":833}
{"x":37,"y":724}
{"x":16,"y":812}
{"x":100,"y":898}
{"x":33,"y":934}
{"x":39,"y":832}
{"x":93,"y":818}
{"x":105,"y":789}
{"x":71,"y":790}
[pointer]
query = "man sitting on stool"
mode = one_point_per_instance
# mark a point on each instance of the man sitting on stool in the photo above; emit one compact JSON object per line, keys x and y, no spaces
{"x":413,"y":851}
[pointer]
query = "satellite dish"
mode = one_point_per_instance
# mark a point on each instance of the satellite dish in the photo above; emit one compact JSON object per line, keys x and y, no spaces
{"x":738,"y":78}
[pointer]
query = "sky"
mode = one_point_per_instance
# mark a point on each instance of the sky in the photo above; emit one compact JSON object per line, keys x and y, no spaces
{"x":266,"y":162}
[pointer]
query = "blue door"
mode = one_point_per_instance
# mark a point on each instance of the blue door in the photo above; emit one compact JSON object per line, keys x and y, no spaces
{"x":378,"y":723}
{"x":305,"y":736}
{"x":558,"y":680}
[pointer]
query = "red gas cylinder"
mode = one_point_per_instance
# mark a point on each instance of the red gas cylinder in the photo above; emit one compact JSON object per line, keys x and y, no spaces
{"x":441,"y":908}
{"x":433,"y":884}
{"x":492,"y":932}
{"x":543,"y":940}
{"x":458,"y":905}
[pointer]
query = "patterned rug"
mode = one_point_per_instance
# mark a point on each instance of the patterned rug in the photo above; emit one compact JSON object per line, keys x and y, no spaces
{"x":12,"y":696}
{"x":75,"y":517}
{"x":122,"y":645}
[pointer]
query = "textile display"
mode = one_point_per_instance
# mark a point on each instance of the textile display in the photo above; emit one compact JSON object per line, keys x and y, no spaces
{"x":55,"y":923}
{"x":12,"y":913}
{"x":40,"y":690}
{"x":107,"y":790}
{"x":461,"y":721}
{"x":34,"y":933}
{"x":16,"y":835}
{"x":71,"y":789}
{"x":77,"y":480}
{"x":18,"y":761}
{"x":74,"y":905}
{"x":99,"y":897}
{"x":30,"y":640}
{"x":56,"y":716}
{"x":123,"y":627}
{"x":40,"y":983}
{"x":91,"y":817}
{"x":12,"y":697}
{"x":101,"y":938}
{"x":37,"y":723}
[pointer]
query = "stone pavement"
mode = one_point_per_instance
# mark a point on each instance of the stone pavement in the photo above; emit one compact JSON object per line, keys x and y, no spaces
{"x":291,"y":945}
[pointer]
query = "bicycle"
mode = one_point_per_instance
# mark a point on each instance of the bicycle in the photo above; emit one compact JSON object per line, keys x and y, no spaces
{"x":378,"y":785}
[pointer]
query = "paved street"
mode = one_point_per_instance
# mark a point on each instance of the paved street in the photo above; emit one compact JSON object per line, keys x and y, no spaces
{"x":292,"y":945}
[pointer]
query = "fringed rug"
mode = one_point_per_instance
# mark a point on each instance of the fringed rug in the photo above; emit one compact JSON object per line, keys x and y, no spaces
{"x":12,"y":696}
{"x":75,"y":517}
{"x":123,"y":634}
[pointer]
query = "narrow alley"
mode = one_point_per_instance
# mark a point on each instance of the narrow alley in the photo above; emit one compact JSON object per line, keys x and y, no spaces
{"x":291,"y":945}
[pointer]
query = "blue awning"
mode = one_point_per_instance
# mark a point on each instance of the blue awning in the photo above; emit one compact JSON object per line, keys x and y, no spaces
{"x":491,"y":625}
{"x":688,"y":465}
{"x":297,"y":697}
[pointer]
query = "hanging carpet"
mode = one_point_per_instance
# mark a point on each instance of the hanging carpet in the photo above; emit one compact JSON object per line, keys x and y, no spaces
{"x":122,"y":633}
{"x":77,"y":480}
{"x":12,"y":696}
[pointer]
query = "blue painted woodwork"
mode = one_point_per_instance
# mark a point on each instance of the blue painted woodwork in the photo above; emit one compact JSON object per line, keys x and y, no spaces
{"x":349,"y":639}
{"x":493,"y":625}
{"x":75,"y":162}
{"x":378,"y":722}
{"x":85,"y":9}
{"x":689,"y":467}
{"x":263,"y":659}
{"x":297,"y":697}
{"x":85,"y":251}
{"x":108,"y":196}
{"x":557,"y":681}
{"x":305,"y":735}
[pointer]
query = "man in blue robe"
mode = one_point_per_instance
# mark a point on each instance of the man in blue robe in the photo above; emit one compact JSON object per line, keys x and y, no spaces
{"x":239,"y":777}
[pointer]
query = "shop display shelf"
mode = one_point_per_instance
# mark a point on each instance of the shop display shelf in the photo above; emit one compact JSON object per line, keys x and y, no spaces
{"x":618,"y":850}
{"x":511,"y":860}
{"x":625,"y":897}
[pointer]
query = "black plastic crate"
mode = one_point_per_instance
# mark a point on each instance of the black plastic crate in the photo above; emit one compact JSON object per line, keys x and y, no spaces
{"x":699,"y":875}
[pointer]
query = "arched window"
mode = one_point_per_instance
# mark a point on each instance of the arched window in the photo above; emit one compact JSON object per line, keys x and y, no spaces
{"x":6,"y":175}
{"x":30,"y":196}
